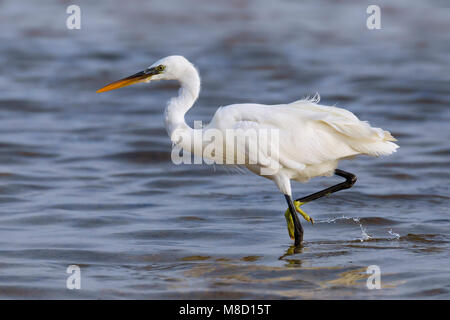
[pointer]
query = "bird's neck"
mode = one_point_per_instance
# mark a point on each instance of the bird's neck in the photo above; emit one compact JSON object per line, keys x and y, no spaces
{"x":180,"y":105}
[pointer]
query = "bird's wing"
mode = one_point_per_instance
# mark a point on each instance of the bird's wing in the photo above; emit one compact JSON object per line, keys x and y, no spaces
{"x":308,"y":133}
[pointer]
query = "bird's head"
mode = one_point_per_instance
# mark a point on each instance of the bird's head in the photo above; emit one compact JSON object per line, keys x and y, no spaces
{"x":168,"y":68}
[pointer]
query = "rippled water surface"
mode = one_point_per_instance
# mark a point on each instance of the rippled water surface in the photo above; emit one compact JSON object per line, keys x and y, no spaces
{"x":86,"y":178}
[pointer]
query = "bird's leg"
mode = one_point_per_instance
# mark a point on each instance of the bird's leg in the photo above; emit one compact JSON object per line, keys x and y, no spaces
{"x":294,"y":223}
{"x":350,"y":180}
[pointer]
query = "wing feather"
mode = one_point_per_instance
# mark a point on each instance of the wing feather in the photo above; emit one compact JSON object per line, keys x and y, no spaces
{"x":308,"y":133}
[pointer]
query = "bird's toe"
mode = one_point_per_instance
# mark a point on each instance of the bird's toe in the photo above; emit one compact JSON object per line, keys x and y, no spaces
{"x":297,"y":205}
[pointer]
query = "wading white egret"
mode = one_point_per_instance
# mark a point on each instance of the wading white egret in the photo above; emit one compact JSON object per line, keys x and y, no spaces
{"x":312,"y":137}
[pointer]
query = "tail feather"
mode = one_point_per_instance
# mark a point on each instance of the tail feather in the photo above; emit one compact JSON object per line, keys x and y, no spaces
{"x":378,"y":144}
{"x":388,"y":136}
{"x":379,"y":148}
{"x":365,"y":139}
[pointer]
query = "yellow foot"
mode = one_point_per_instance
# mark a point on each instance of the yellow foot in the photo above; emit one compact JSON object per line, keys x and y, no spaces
{"x":297,"y":205}
{"x":290,"y":222}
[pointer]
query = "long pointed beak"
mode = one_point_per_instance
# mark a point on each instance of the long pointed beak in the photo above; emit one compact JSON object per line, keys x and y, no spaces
{"x":135,"y":78}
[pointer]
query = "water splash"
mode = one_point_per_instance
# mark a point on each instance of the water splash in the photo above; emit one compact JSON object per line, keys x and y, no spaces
{"x":333,"y":220}
{"x":394,"y":234}
{"x":364,"y":235}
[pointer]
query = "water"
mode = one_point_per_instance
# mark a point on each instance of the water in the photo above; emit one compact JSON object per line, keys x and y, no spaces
{"x":86,"y":178}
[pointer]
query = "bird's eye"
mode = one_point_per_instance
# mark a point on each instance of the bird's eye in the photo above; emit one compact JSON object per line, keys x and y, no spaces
{"x":160,"y":67}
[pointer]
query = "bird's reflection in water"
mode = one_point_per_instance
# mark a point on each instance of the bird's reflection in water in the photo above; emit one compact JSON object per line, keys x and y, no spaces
{"x":292,"y":250}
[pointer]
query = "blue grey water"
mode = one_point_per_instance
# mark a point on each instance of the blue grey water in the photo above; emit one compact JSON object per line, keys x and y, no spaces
{"x":86,"y":178}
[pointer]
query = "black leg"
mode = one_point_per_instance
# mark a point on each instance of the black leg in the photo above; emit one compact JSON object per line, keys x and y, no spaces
{"x":350,"y":180}
{"x":298,"y":229}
